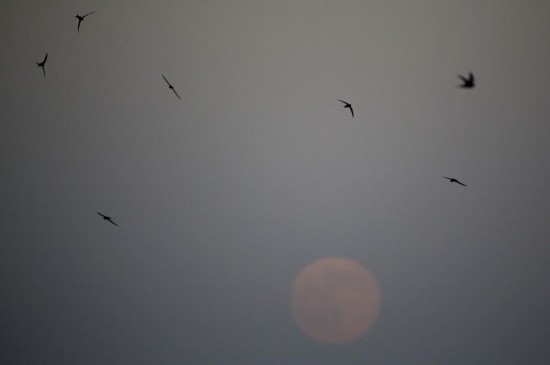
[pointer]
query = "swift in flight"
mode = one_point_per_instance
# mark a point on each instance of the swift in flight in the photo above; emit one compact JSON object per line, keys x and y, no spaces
{"x":348,"y":105}
{"x":80,"y":19}
{"x":453,"y":180}
{"x":171,"y":87}
{"x":42,"y":64}
{"x":107,"y":218}
{"x":467,"y":83}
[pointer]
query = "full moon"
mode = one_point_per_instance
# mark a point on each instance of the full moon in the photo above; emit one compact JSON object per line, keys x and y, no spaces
{"x":335,"y":300}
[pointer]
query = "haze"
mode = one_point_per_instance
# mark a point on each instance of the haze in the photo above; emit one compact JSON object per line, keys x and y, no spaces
{"x":222,"y":197}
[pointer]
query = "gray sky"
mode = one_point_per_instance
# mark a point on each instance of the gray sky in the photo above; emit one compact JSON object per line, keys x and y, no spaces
{"x":223,"y":197}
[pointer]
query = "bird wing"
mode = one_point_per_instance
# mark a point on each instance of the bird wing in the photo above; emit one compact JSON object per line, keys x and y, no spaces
{"x":463,"y":78}
{"x":101,"y":214}
{"x":110,"y":220}
{"x":84,"y":16}
{"x":445,"y":177}
{"x":44,"y":71}
{"x":174,"y":90}
{"x":345,"y":102}
{"x":471,"y":77}
{"x":45,"y":58}
{"x":166,"y":80}
{"x":78,"y":26}
{"x":351,"y":109}
{"x":458,"y":182}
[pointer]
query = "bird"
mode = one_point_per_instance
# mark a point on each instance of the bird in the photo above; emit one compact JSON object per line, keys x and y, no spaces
{"x":80,"y":19}
{"x":171,"y":87}
{"x":468,"y":83}
{"x":348,"y":105}
{"x":107,"y":218}
{"x":453,"y":180}
{"x":42,"y":64}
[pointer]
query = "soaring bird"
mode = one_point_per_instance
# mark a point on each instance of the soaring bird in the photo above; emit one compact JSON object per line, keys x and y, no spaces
{"x":171,"y":87}
{"x":348,"y":105}
{"x":80,"y":19}
{"x":467,"y":83}
{"x":453,"y":180}
{"x":107,"y":218}
{"x":42,"y":64}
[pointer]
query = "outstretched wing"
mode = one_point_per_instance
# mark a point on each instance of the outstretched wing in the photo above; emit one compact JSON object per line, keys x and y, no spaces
{"x":471,"y":77}
{"x":465,"y":80}
{"x":110,"y":220}
{"x":458,"y":182}
{"x":78,"y":26}
{"x":345,"y":102}
{"x":101,"y":214}
{"x":84,"y":16}
{"x":174,"y":90}
{"x":166,"y":80}
{"x":351,"y":110}
{"x":445,"y":177}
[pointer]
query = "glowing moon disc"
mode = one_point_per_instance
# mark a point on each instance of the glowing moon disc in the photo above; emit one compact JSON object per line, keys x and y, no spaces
{"x":335,"y":300}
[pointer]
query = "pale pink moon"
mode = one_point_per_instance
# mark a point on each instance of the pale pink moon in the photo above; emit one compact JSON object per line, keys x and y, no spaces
{"x":335,"y":300}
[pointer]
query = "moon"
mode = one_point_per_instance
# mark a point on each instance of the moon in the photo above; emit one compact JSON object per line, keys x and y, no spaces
{"x":335,"y":300}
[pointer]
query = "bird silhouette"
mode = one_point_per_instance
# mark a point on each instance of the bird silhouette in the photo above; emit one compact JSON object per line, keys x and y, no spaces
{"x":467,"y":83}
{"x":80,"y":19}
{"x":42,"y":64}
{"x":453,"y":180}
{"x":171,"y":87}
{"x":348,"y":105}
{"x":107,"y":218}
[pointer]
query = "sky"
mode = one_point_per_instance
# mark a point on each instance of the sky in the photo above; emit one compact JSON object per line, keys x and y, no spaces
{"x":224,"y":196}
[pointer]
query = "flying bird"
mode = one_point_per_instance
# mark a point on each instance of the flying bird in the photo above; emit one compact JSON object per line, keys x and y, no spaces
{"x":453,"y":180}
{"x":467,"y":83}
{"x":107,"y":218}
{"x":171,"y":87}
{"x":42,"y":64}
{"x":80,"y":19}
{"x":348,"y":105}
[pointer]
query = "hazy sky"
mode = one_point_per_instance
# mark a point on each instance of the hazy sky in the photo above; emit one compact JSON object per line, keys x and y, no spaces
{"x":223,"y":197}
